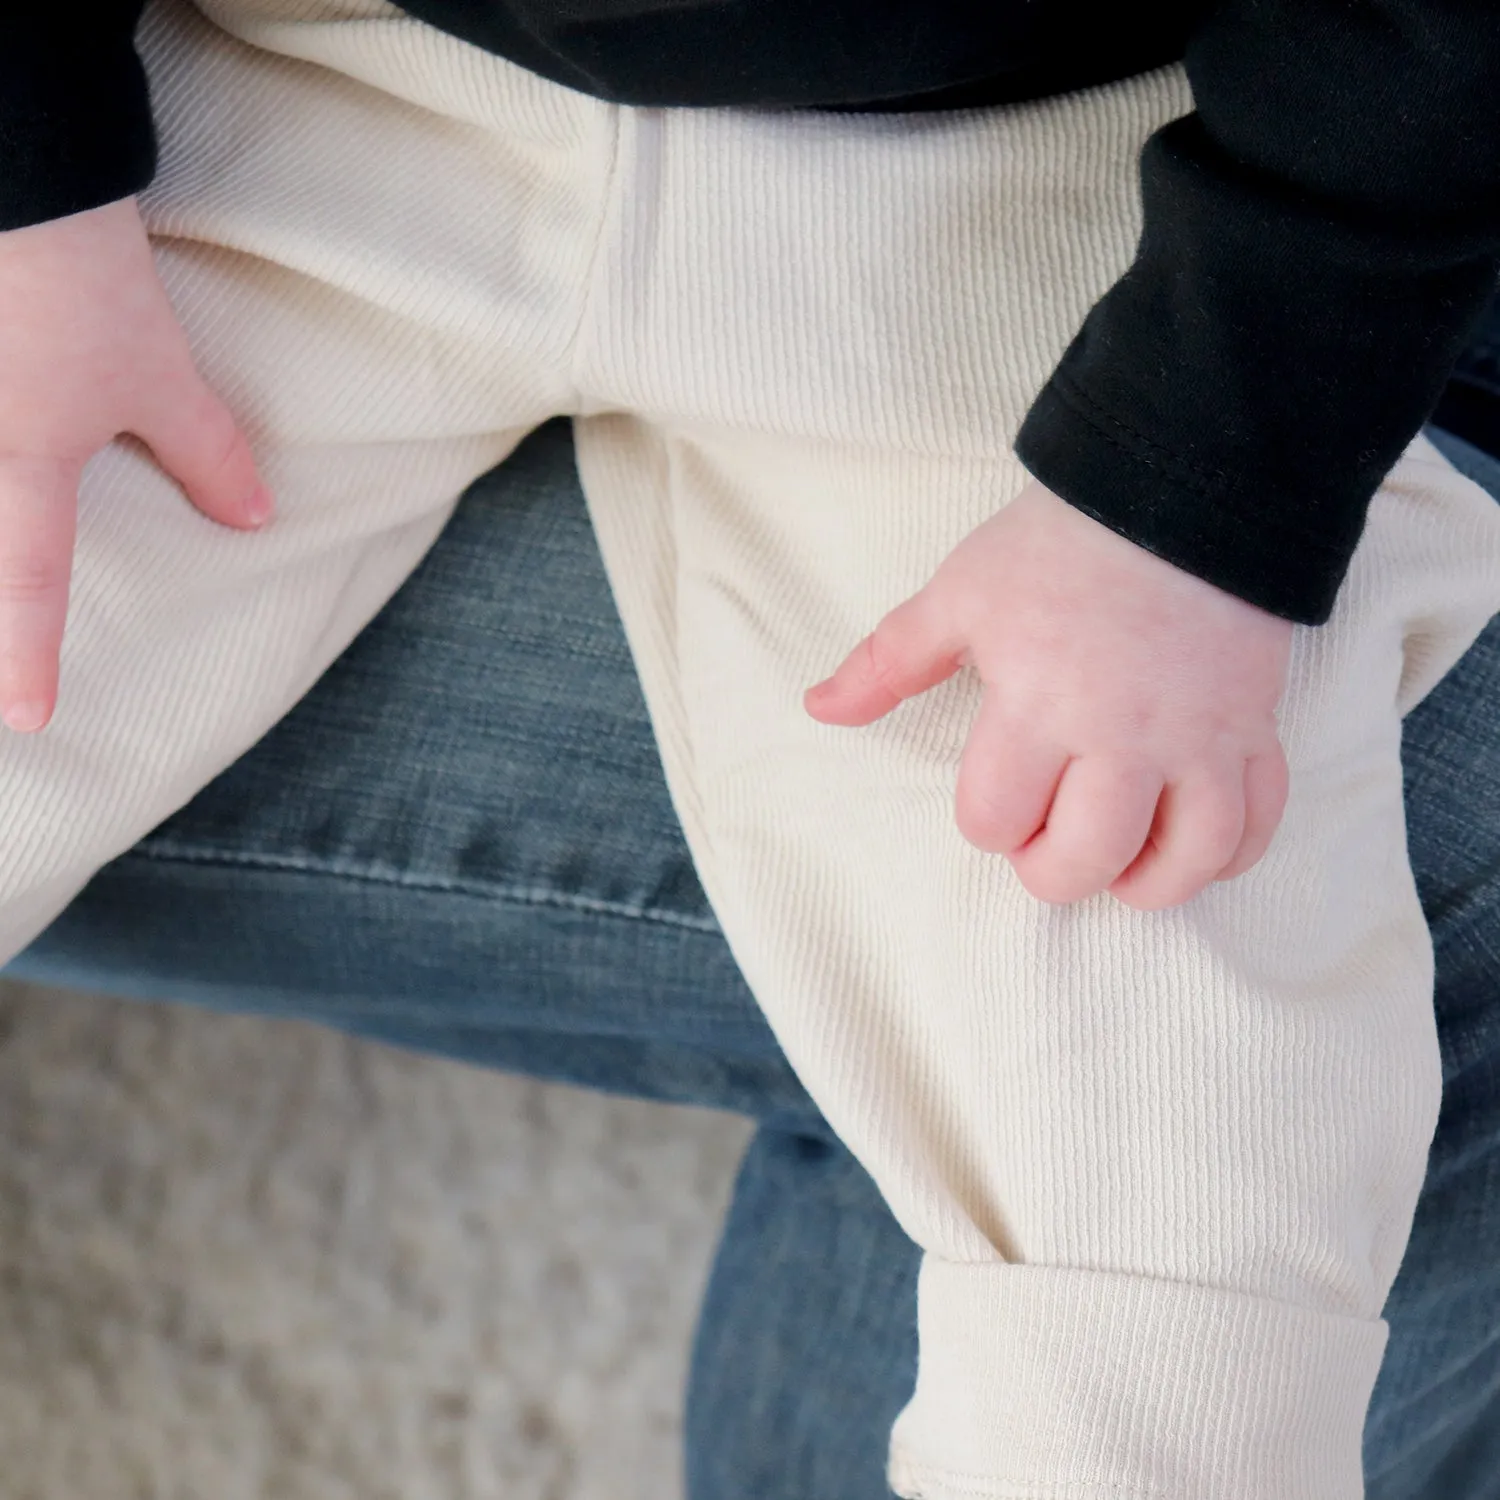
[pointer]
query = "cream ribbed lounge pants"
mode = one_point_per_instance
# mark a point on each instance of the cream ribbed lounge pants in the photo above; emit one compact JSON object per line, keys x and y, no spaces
{"x":1162,"y":1165}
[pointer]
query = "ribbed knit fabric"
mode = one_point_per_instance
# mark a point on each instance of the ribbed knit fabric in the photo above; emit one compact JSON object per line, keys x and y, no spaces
{"x":1162,"y":1165}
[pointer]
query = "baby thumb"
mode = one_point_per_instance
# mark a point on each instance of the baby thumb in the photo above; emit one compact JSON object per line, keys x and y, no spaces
{"x":909,"y":651}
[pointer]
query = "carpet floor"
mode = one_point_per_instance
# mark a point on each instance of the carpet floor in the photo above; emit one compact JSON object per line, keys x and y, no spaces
{"x":255,"y":1260}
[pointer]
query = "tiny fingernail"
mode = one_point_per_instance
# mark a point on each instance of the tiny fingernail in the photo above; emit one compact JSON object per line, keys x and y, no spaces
{"x":26,"y":717}
{"x":259,"y":506}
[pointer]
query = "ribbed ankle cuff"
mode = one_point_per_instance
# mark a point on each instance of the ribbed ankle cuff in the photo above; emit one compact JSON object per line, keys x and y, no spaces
{"x":1043,"y":1384}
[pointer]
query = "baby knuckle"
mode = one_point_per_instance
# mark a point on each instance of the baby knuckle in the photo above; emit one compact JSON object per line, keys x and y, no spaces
{"x":29,"y":577}
{"x":981,"y":824}
{"x":970,"y":600}
{"x":1135,"y":723}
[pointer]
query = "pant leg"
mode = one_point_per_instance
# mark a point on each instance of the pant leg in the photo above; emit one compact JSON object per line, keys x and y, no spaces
{"x":460,"y":841}
{"x":1162,"y":1165}
{"x":385,"y":293}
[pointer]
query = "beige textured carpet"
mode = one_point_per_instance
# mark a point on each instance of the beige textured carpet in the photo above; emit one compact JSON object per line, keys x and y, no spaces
{"x":248,"y":1259}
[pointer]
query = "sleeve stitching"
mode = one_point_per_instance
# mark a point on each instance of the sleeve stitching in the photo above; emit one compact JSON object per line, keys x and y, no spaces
{"x":1083,"y":407}
{"x":1203,"y":480}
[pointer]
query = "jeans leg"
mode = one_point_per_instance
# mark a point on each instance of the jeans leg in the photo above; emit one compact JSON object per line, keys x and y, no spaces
{"x":1434,"y":1427}
{"x":807,"y":1341}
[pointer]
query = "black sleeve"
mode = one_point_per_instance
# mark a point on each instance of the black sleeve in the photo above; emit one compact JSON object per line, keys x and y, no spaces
{"x":75,"y":117}
{"x":1320,"y":238}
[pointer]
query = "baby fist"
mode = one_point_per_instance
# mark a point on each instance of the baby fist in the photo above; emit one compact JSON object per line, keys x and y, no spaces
{"x":1126,"y":736}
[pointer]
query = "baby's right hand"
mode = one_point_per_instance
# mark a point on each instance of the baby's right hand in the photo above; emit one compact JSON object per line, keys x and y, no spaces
{"x":89,"y":349}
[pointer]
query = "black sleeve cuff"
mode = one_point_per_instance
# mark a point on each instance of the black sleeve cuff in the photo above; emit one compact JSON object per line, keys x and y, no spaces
{"x":1204,"y":522}
{"x":75,"y":113}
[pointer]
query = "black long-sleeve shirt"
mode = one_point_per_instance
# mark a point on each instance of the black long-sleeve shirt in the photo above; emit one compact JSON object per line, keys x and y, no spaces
{"x":1321,"y":234}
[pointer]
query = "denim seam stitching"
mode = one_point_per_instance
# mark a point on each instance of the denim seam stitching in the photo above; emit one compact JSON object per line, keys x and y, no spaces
{"x":168,"y":853}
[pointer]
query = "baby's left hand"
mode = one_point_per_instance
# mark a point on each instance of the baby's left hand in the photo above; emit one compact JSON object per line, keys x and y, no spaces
{"x":1126,"y":737}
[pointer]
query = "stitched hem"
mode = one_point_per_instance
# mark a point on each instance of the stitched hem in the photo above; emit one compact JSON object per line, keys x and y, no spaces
{"x":166,"y":852}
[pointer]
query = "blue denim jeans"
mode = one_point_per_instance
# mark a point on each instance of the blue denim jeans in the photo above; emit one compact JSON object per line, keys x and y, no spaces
{"x":461,"y":841}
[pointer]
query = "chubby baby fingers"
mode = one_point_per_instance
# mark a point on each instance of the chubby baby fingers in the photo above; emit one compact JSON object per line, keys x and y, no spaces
{"x":1099,"y":821}
{"x":1201,"y":823}
{"x":1267,"y":782}
{"x":38,"y":522}
{"x":1006,"y":780}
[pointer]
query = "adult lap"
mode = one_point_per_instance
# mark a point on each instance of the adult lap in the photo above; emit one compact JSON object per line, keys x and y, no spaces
{"x":461,"y":841}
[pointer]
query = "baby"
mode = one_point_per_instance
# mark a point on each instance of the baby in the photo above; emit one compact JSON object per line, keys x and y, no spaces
{"x":1160,"y":1150}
